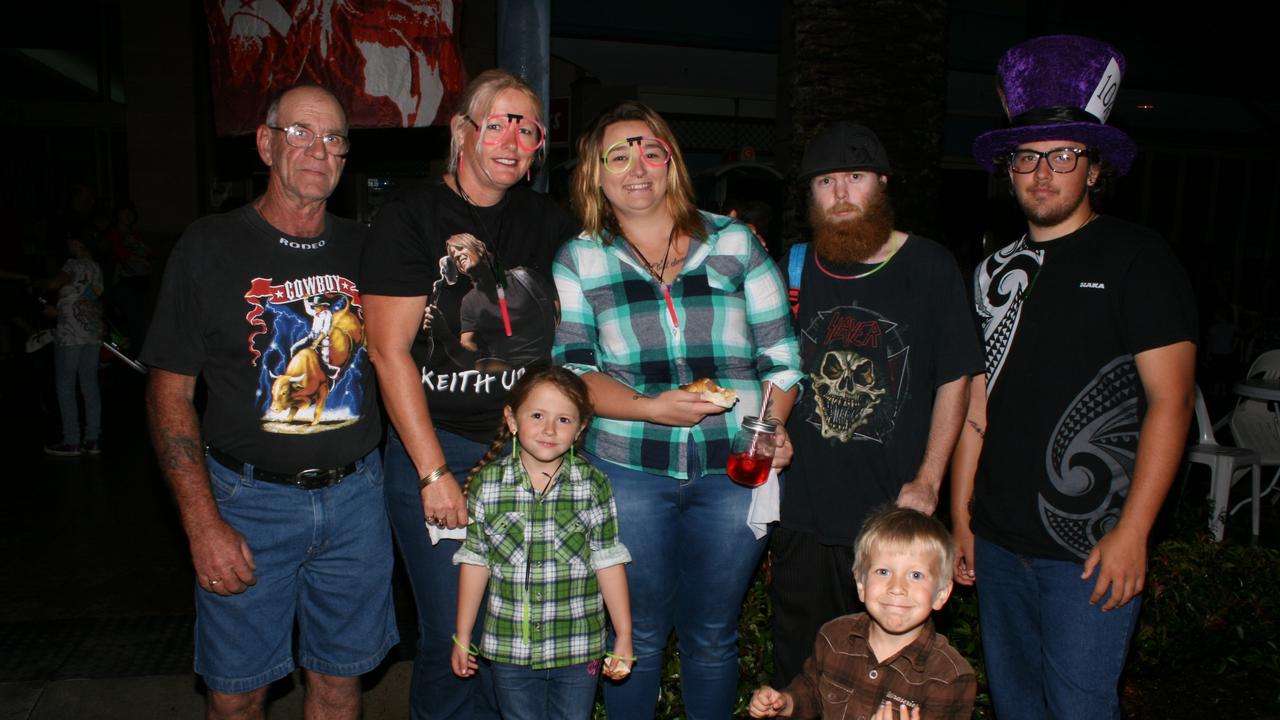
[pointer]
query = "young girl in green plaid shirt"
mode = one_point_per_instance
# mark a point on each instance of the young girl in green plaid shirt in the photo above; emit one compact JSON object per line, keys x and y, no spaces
{"x":544,"y":539}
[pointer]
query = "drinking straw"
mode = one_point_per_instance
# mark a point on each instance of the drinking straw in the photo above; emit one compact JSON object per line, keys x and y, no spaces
{"x":764,"y":408}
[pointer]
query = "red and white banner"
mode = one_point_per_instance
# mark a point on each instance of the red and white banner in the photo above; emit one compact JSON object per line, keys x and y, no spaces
{"x":392,"y":63}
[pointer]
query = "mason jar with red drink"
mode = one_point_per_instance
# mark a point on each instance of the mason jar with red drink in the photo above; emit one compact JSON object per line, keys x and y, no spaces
{"x":751,"y":455}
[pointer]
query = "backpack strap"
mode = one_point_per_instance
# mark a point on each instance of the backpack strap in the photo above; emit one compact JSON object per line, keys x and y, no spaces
{"x":795,"y":270}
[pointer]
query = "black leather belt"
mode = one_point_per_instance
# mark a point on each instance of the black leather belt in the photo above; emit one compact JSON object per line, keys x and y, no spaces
{"x":310,"y":479}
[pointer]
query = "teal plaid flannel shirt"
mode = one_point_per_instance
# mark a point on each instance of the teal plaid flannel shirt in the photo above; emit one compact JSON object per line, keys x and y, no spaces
{"x":733,"y":324}
{"x":545,"y":609}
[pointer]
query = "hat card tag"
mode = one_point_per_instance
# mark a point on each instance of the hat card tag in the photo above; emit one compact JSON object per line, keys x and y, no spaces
{"x":1104,"y":96}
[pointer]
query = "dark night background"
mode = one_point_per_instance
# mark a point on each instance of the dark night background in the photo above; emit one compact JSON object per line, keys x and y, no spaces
{"x":110,"y":101}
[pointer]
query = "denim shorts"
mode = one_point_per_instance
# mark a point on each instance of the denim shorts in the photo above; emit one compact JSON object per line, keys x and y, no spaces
{"x":323,"y":558}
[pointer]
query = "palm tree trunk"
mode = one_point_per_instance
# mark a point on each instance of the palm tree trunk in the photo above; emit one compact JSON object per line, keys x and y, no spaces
{"x":880,"y":63}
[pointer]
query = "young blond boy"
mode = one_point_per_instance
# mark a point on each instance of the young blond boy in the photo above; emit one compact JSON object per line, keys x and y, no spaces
{"x":903,"y":562}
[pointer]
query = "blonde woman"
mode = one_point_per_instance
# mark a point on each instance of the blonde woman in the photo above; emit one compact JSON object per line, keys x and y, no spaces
{"x":443,"y":401}
{"x":654,"y":295}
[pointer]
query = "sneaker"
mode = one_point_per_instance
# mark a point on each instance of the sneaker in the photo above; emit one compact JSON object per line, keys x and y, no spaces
{"x":62,"y":450}
{"x":91,"y":447}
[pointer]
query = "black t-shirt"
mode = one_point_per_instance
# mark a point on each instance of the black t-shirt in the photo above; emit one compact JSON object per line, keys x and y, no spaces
{"x":1062,"y":322}
{"x":467,"y":359}
{"x":874,"y":350}
{"x":274,"y":324}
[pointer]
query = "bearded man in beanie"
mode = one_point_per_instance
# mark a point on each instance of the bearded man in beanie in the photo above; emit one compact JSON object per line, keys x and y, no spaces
{"x":888,"y":347}
{"x":1074,"y":436}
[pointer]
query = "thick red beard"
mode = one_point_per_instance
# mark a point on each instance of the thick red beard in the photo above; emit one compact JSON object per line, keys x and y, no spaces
{"x":844,"y":242}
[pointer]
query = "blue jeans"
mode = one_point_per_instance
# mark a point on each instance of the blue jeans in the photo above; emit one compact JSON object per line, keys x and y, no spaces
{"x":69,"y":363}
{"x":323,"y":559}
{"x":436,"y":692}
{"x":692,"y":556}
{"x":567,"y":693}
{"x":1049,"y":653}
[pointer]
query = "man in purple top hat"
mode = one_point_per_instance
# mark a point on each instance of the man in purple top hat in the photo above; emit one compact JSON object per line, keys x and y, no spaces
{"x":1072,"y":441}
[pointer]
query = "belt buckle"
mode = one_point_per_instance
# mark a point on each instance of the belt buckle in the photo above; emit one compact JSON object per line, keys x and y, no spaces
{"x":314,"y":478}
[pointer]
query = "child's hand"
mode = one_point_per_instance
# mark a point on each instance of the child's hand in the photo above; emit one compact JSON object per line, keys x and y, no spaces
{"x":767,"y":702}
{"x":619,"y":667}
{"x":463,"y":662}
{"x":886,"y":712}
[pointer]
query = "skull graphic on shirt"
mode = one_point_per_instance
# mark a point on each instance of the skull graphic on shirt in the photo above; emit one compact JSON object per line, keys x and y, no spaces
{"x":845,"y":393}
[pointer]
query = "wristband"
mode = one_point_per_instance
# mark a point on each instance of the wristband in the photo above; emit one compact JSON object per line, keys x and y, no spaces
{"x":473,"y":650}
{"x":615,"y":656}
{"x":434,"y":475}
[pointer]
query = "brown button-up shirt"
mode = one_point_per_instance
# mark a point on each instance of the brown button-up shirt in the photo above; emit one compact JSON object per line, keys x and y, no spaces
{"x":843,"y":680}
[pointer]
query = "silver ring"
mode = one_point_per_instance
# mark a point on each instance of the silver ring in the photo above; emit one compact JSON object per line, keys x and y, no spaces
{"x":214,"y":582}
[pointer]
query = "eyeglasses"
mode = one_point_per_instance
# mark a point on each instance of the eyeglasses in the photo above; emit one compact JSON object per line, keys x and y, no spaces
{"x":302,"y":137}
{"x":1061,"y":160}
{"x":652,"y":152}
{"x":529,"y":132}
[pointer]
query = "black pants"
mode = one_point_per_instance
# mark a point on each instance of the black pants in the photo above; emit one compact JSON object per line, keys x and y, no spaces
{"x":812,"y":585}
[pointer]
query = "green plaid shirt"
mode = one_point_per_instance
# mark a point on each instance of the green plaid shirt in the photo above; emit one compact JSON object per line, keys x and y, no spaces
{"x":545,"y":609}
{"x":733,"y":324}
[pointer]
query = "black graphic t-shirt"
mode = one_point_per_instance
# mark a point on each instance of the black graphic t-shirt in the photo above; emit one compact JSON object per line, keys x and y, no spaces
{"x":873,"y":350}
{"x":274,"y":323}
{"x":1062,"y":321}
{"x":486,"y":274}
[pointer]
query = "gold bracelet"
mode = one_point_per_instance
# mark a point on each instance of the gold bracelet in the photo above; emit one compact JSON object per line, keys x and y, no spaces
{"x":434,"y":476}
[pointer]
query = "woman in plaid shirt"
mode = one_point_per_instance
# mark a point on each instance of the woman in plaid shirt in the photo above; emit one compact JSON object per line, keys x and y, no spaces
{"x":654,"y":295}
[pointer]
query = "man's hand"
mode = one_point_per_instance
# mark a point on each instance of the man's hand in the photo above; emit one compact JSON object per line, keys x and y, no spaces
{"x":783,"y":449}
{"x":680,"y":408}
{"x":443,"y":504}
{"x":1121,"y":560}
{"x":962,"y":536}
{"x":918,"y":495}
{"x":222,"y":559}
{"x":767,"y":702}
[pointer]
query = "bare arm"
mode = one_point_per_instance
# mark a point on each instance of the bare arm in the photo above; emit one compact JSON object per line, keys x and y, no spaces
{"x":222,"y":559}
{"x":472,"y":580}
{"x":949,"y":403}
{"x":617,"y":599}
{"x":964,"y":467}
{"x":391,"y":324}
{"x":1168,"y":379}
{"x":674,"y":407}
{"x":781,"y":403}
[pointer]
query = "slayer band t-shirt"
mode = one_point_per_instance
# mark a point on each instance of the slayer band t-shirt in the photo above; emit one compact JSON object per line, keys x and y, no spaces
{"x":275,"y":326}
{"x":873,"y":351}
{"x":491,"y":304}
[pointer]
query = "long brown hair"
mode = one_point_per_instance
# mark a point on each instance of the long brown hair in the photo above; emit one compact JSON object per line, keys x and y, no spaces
{"x":477,"y":98}
{"x":563,"y":380}
{"x":594,"y":209}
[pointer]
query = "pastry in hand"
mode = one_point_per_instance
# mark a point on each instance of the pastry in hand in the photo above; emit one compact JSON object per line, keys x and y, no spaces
{"x":711,"y":392}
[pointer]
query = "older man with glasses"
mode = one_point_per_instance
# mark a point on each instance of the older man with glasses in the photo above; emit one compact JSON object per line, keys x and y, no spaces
{"x":280,"y":489}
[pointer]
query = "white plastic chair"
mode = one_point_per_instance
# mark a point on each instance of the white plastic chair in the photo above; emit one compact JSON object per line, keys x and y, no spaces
{"x":1254,"y":423}
{"x":1224,"y":463}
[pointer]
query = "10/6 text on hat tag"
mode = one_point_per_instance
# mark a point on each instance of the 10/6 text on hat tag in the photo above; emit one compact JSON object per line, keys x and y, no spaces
{"x":1104,"y":96}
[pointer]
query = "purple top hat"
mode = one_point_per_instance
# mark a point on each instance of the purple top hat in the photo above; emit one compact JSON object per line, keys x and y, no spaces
{"x":1059,"y":87}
